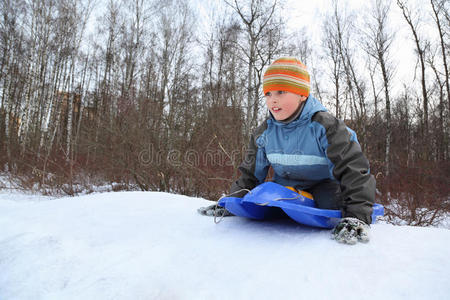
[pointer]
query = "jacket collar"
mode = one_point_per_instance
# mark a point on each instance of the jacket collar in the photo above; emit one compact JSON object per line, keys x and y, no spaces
{"x":302,"y":115}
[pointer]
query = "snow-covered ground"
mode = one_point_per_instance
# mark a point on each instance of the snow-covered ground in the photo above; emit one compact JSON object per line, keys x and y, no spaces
{"x":148,"y":245}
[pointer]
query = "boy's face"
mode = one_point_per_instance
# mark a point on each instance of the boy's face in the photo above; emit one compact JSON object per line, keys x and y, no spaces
{"x":283,"y":104}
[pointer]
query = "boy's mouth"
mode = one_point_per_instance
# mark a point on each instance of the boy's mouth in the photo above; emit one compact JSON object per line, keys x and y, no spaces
{"x":276,"y":109}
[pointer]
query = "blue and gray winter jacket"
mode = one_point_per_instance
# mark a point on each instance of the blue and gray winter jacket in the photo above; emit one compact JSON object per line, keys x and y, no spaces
{"x":313,"y":147}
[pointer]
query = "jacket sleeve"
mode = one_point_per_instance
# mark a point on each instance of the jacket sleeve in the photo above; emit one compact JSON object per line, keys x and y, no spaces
{"x":253,"y":169}
{"x":349,"y":166}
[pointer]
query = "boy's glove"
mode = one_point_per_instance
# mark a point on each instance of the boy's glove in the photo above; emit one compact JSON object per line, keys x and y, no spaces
{"x":210,"y":210}
{"x":350,"y":231}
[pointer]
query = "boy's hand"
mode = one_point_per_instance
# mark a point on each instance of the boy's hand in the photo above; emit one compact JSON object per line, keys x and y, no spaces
{"x":350,"y":231}
{"x":210,"y":210}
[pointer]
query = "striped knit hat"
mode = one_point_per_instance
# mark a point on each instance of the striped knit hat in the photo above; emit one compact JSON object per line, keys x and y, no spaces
{"x":287,"y":74}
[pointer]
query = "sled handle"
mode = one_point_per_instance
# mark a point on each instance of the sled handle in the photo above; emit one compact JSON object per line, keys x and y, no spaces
{"x":217,"y":221}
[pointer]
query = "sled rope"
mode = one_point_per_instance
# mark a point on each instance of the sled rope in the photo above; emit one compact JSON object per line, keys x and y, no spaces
{"x":217,"y":221}
{"x":278,"y":199}
{"x":299,"y":192}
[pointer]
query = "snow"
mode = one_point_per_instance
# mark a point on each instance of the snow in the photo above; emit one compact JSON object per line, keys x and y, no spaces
{"x":149,"y":245}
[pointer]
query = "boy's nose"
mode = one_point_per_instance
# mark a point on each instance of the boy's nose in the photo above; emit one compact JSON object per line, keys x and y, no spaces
{"x":274,"y":98}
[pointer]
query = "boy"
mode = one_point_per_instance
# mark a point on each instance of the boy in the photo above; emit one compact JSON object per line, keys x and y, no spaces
{"x":310,"y":150}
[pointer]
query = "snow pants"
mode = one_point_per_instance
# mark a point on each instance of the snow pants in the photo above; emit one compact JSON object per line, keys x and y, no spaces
{"x":327,"y":194}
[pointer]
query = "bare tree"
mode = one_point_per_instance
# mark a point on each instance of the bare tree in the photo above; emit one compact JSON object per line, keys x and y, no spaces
{"x":372,"y":66}
{"x":438,"y":7}
{"x":378,"y":45}
{"x":12,"y":62}
{"x":74,"y":109}
{"x":299,"y":45}
{"x":440,"y":149}
{"x":421,"y":48}
{"x":132,"y":41}
{"x":259,"y":20}
{"x":355,"y":85}
{"x":330,"y":44}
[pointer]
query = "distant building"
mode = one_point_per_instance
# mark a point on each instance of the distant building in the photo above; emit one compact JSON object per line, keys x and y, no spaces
{"x":63,"y":99}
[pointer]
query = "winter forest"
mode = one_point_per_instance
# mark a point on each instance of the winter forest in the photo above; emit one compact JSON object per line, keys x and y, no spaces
{"x":162,"y":95}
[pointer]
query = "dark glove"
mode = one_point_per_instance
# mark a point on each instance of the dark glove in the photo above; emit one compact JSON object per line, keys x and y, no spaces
{"x":214,"y":209}
{"x":350,"y":231}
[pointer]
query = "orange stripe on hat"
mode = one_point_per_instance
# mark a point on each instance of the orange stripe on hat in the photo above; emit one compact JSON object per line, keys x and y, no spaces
{"x":287,"y":74}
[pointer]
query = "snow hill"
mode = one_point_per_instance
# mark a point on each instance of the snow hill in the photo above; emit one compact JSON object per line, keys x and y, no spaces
{"x":149,"y":245}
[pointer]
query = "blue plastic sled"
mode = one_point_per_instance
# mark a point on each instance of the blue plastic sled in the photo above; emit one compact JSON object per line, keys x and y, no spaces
{"x":266,"y":199}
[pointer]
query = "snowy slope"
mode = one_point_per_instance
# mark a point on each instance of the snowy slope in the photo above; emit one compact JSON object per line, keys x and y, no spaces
{"x":136,"y":245}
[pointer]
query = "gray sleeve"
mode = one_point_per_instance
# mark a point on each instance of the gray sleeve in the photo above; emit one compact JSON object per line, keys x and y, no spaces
{"x":253,"y":168}
{"x":247,"y":180}
{"x":350,"y":168}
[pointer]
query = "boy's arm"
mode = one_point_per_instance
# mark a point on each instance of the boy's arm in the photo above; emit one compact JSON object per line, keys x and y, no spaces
{"x":349,"y":166}
{"x":253,"y":170}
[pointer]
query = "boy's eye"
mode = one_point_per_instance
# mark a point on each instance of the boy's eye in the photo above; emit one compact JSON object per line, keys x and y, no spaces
{"x":268,"y":94}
